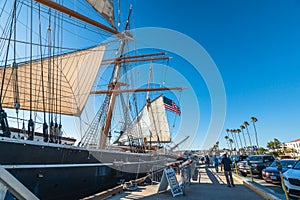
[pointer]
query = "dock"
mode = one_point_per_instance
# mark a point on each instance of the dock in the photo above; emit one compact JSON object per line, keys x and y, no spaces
{"x":209,"y":185}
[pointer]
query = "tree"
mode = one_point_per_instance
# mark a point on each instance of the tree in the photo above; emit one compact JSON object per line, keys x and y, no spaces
{"x":253,"y":119}
{"x":242,"y":128}
{"x":261,"y":150}
{"x":230,"y":142}
{"x":275,"y":147}
{"x":229,"y":146}
{"x":291,"y":150}
{"x":233,"y":140}
{"x":227,"y":130}
{"x":238,"y":131}
{"x":233,"y":131}
{"x":214,"y":148}
{"x":246,"y":125}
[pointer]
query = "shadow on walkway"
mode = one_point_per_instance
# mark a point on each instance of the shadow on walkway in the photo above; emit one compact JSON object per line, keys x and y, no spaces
{"x":211,"y":176}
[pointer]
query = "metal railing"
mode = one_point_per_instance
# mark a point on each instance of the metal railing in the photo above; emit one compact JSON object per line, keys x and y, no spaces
{"x":9,"y":183}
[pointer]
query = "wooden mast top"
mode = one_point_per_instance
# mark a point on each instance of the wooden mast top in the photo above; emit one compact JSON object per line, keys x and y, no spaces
{"x":63,"y":9}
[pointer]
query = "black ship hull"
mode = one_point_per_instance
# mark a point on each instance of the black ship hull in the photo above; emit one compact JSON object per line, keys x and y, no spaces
{"x":53,"y":171}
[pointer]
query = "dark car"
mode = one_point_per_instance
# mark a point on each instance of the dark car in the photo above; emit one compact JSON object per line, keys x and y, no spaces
{"x":237,"y":159}
{"x":271,"y":174}
{"x":257,"y":164}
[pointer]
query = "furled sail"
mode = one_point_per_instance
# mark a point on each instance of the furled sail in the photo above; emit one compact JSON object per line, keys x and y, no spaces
{"x":151,"y":123}
{"x":68,"y":80}
{"x":105,"y":8}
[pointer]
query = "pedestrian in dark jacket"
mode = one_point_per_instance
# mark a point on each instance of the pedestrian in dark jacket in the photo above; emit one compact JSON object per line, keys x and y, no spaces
{"x":227,"y":170}
{"x":207,"y":160}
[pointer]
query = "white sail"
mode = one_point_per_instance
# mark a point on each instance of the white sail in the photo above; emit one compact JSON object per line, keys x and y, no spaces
{"x":151,"y":123}
{"x":105,"y":8}
{"x":159,"y":122}
{"x":76,"y":74}
{"x":138,"y":127}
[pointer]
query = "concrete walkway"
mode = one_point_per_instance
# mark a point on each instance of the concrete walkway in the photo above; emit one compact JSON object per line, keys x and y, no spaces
{"x":209,"y":186}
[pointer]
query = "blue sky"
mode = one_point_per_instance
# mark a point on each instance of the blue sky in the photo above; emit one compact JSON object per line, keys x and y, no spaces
{"x":255,"y":46}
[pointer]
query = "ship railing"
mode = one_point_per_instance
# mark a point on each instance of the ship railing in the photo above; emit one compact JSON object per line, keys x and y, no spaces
{"x":9,"y":185}
{"x":78,"y":165}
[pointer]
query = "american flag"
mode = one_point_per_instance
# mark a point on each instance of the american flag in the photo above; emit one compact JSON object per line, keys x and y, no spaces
{"x":171,"y":105}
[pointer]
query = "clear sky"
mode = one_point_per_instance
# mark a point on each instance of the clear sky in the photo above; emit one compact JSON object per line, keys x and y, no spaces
{"x":255,"y":49}
{"x":255,"y":45}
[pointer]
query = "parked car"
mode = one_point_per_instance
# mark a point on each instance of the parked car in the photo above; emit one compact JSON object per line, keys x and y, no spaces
{"x":257,"y":164}
{"x":271,"y":173}
{"x":292,"y":180}
{"x":284,"y":157}
{"x":237,"y":159}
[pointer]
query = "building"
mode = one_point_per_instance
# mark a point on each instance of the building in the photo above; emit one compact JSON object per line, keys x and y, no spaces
{"x":294,"y":144}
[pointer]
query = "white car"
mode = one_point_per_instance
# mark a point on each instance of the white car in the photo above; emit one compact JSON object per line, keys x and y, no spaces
{"x":292,"y":180}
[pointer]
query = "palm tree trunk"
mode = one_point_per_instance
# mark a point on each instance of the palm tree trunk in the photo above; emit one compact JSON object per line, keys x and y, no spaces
{"x":237,"y":144}
{"x":255,"y":134}
{"x":249,"y":136}
{"x":240,"y":140}
{"x":228,"y":143}
{"x":227,"y":130}
{"x":234,"y":141}
{"x":244,"y":138}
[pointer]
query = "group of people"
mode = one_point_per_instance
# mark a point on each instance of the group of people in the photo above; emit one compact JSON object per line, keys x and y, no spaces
{"x":206,"y":160}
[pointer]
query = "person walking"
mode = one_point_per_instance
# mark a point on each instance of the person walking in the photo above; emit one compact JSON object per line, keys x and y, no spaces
{"x":227,"y":170}
{"x":207,"y":160}
{"x":216,"y":164}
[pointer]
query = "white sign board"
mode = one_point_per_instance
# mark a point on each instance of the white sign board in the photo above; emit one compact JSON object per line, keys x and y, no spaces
{"x":169,"y":178}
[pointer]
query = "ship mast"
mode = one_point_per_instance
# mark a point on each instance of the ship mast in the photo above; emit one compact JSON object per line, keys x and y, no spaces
{"x":113,"y":86}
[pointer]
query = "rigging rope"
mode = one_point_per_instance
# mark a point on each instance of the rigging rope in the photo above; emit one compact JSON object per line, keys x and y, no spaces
{"x":30,"y":122}
{"x":60,"y":82}
{"x":3,"y":115}
{"x":49,"y":79}
{"x":54,"y":81}
{"x":45,"y":125}
{"x":15,"y":68}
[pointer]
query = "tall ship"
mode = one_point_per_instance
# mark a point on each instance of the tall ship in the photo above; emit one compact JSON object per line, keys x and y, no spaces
{"x":51,"y":55}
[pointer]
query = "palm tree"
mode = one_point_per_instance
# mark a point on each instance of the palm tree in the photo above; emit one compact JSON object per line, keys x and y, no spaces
{"x":229,"y":146}
{"x":230,"y":142}
{"x":246,"y":125}
{"x":233,"y":139}
{"x":238,"y":132}
{"x":227,"y":130}
{"x":242,"y":128}
{"x":253,"y":120}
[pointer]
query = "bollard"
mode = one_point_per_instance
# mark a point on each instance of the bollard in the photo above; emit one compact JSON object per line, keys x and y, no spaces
{"x":279,"y":167}
{"x":236,"y":168}
{"x":283,"y":186}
